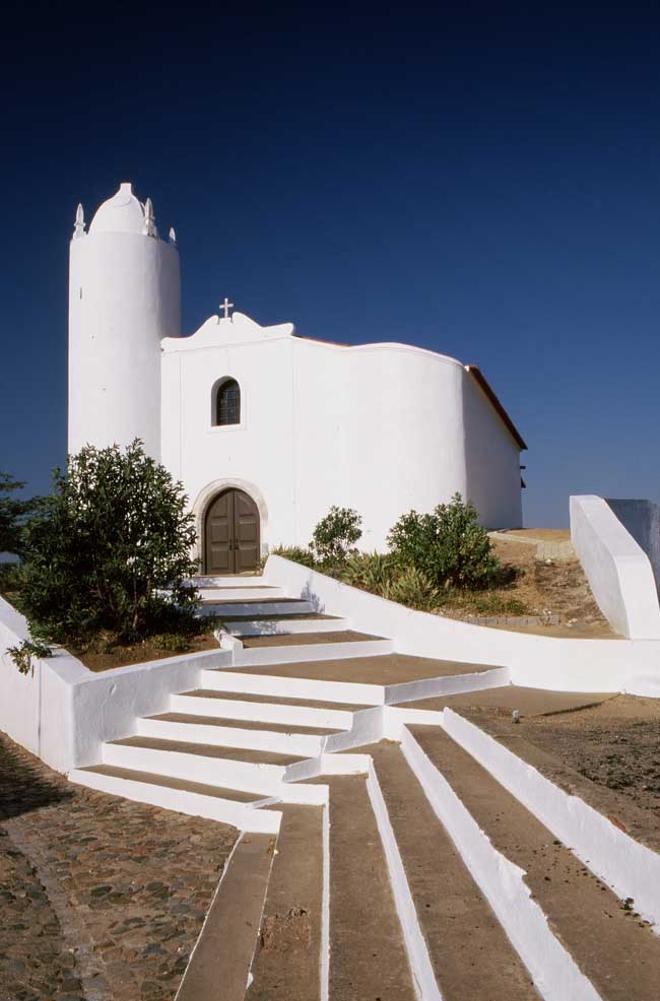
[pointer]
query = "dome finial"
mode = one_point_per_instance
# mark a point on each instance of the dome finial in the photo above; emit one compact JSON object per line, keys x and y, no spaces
{"x":79,"y":228}
{"x":149,"y":219}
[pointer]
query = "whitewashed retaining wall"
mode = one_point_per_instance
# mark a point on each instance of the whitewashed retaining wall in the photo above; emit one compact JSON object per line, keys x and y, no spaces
{"x":62,"y":712}
{"x":618,"y":569}
{"x":577,"y":665}
{"x":642,"y":519}
{"x":36,"y":709}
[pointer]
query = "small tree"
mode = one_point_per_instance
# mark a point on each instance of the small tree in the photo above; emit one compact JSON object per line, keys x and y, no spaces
{"x":110,"y":550}
{"x":448,"y":546}
{"x":14,"y":511}
{"x":334,"y":537}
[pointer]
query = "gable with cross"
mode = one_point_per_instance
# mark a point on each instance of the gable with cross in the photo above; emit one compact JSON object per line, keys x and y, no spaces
{"x":225,"y":307}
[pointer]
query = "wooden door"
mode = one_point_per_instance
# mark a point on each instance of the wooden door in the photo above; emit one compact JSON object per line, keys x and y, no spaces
{"x":231,"y":534}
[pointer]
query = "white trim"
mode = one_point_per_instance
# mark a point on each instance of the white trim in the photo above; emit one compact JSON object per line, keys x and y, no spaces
{"x":421,"y":968}
{"x":555,"y":973}
{"x":629,"y":868}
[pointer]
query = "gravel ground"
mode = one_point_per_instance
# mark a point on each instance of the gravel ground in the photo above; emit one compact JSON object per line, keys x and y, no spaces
{"x":101,"y":899}
{"x":615,"y":744}
{"x":608,"y":753}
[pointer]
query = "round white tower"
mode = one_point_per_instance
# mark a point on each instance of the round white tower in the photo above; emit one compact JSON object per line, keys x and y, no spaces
{"x":124,"y":297}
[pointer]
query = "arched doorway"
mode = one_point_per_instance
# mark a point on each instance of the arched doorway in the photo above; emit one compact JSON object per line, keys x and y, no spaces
{"x":231,"y":534}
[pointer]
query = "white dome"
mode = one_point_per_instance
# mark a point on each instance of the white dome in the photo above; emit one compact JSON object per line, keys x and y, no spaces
{"x":122,"y":213}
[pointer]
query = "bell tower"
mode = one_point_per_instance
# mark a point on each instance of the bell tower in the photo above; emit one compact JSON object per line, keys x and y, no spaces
{"x":124,"y":297}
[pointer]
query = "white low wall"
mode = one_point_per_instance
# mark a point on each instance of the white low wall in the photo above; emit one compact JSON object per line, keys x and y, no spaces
{"x":535,"y":661}
{"x":62,"y":712}
{"x":642,"y":519}
{"x":618,"y":569}
{"x":36,"y":709}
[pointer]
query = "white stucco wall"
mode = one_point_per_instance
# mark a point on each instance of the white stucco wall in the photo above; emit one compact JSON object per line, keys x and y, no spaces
{"x":382,"y":428}
{"x":618,"y":570}
{"x":492,"y":460}
{"x":124,"y":296}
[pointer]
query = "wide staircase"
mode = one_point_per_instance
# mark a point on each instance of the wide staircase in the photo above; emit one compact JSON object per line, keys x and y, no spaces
{"x":379,"y":859}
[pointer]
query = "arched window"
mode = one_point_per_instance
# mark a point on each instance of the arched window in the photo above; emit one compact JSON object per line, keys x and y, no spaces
{"x":227,"y":403}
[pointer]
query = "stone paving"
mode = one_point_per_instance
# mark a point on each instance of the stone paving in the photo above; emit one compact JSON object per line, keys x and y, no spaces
{"x":101,"y":899}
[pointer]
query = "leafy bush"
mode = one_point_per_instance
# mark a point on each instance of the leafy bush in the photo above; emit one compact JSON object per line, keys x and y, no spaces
{"x":448,"y":546}
{"x":13,"y":514}
{"x":410,"y":586}
{"x":297,"y":554}
{"x":22,"y":655}
{"x":110,"y":550}
{"x":334,"y":537}
{"x":369,"y":571}
{"x":11,"y":578}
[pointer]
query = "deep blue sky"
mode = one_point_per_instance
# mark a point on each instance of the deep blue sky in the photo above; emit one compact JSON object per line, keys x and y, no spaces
{"x":480,"y":180}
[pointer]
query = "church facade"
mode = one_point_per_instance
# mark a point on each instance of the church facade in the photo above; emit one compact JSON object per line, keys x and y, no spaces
{"x":264,"y":428}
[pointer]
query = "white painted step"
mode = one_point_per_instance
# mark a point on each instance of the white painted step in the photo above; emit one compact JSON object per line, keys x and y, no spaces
{"x":294,"y":688}
{"x":229,"y":733}
{"x":244,"y":609}
{"x":230,"y":580}
{"x":224,"y":805}
{"x":240,"y":768}
{"x":250,"y":592}
{"x":277,"y":627}
{"x":262,"y":711}
{"x":307,"y":652}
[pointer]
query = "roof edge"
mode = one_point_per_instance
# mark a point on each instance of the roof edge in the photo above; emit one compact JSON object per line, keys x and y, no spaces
{"x":483,"y":383}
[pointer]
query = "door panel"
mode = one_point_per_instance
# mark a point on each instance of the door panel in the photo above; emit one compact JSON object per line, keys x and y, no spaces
{"x":231,"y":534}
{"x":246,"y":530}
{"x":219,"y":556}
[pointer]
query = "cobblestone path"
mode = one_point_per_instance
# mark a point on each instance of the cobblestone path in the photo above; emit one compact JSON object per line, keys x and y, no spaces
{"x":101,"y":899}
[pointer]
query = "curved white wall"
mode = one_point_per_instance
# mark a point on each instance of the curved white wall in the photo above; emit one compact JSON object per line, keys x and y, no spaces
{"x":378,"y":428}
{"x":124,"y":297}
{"x":382,"y":428}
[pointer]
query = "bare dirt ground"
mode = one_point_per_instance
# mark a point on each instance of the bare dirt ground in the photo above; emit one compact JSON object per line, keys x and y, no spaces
{"x":608,"y":752}
{"x":615,"y":744}
{"x":121,"y":655}
{"x":554,"y":589}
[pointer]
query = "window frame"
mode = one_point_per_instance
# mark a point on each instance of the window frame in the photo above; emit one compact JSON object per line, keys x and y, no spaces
{"x":218,"y":386}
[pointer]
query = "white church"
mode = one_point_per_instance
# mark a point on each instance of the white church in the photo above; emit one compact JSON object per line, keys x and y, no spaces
{"x":267,"y":429}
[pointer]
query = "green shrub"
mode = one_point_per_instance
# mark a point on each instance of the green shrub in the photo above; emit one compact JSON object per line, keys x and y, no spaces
{"x":14,"y":512}
{"x":22,"y":655}
{"x":109,"y":549}
{"x":334,"y":538}
{"x":297,"y":554}
{"x":369,"y":571}
{"x":410,"y":586}
{"x":11,"y":578}
{"x":172,"y":642}
{"x":448,"y":546}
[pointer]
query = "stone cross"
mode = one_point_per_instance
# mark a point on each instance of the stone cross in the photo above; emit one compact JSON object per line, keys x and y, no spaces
{"x":226,"y":306}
